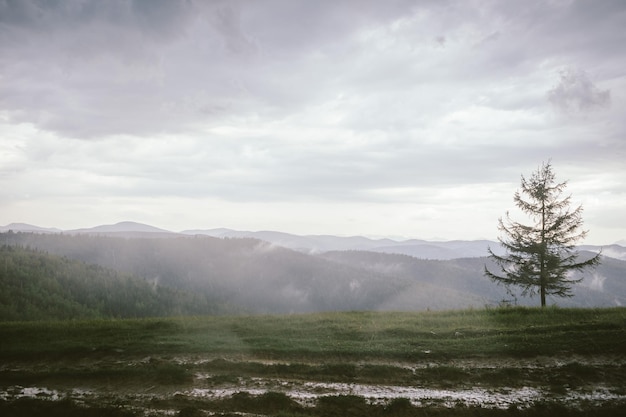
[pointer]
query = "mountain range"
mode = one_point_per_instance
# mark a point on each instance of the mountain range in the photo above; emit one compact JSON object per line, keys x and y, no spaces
{"x":238,"y":272}
{"x":314,"y":244}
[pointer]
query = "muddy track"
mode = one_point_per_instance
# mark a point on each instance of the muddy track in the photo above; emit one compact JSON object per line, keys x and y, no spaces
{"x":166,"y":385}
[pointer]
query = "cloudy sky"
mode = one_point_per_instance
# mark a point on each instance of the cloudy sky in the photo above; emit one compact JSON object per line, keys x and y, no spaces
{"x":379,"y":118}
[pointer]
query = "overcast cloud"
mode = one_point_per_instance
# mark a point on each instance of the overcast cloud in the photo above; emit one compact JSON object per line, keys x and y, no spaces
{"x":395,"y":118}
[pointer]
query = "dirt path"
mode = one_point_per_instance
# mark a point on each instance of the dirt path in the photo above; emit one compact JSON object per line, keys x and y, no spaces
{"x":127,"y":381}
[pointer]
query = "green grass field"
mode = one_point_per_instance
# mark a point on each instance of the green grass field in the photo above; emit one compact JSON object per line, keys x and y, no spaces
{"x":558,"y":351}
{"x":332,"y":336}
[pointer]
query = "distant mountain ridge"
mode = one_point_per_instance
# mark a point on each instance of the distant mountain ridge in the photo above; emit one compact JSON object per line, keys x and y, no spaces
{"x":312,"y":244}
{"x":247,"y":275}
{"x":423,"y":249}
{"x":24,"y":227}
{"x":125,"y":229}
{"x":121,"y":227}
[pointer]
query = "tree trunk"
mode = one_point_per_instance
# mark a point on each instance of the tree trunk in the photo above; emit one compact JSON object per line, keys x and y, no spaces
{"x":542,"y":258}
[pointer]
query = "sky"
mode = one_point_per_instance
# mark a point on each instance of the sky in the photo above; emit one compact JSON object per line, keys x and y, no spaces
{"x":403,"y":119}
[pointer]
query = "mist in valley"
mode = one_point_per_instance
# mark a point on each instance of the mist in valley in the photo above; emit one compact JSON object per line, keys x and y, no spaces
{"x":247,"y":275}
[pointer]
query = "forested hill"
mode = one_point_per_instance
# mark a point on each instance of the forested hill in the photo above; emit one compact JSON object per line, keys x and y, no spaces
{"x":35,"y":285}
{"x":194,"y":275}
{"x":245,"y":275}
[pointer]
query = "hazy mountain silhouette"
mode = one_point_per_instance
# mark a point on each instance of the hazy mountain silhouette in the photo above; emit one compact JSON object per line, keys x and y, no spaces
{"x":314,"y":244}
{"x":24,"y":227}
{"x":126,"y":229}
{"x":253,"y":276}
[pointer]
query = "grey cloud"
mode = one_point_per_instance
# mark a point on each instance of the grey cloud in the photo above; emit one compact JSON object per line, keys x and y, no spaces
{"x":227,"y":21}
{"x":144,"y":67}
{"x":306,"y":100}
{"x":157,"y":18}
{"x":193,"y":81}
{"x":575,"y":92}
{"x":92,"y":68}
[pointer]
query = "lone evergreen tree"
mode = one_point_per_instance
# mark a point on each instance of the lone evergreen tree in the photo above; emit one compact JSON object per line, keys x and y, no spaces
{"x":540,"y":256}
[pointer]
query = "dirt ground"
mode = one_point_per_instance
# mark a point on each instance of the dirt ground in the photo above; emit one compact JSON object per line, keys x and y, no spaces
{"x":159,"y":385}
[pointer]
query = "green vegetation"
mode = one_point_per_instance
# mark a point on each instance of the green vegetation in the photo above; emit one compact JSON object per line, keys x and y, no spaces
{"x":541,"y":257}
{"x":38,"y":286}
{"x":277,"y":404}
{"x":130,"y":327}
{"x":206,"y":275}
{"x":555,"y":350}
{"x":512,"y":332}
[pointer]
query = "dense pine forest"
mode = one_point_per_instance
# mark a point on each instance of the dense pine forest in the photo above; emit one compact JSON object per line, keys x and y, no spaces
{"x":61,"y":276}
{"x":36,"y":286}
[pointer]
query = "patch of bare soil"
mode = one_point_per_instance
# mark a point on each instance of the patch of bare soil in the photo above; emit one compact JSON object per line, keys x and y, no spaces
{"x":175,"y":381}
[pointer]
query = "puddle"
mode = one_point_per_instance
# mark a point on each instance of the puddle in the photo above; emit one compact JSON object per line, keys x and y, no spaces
{"x":29,"y":392}
{"x":306,"y":393}
{"x":42,"y":393}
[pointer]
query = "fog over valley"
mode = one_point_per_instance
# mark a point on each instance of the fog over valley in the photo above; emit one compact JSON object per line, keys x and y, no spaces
{"x":224,"y":271}
{"x":312,"y":208}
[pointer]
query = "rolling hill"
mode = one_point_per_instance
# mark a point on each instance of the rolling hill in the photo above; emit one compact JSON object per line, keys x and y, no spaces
{"x":244,"y":275}
{"x":312,"y":244}
{"x":36,"y":285}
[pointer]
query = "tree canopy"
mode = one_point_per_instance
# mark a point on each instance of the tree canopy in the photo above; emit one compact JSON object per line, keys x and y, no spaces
{"x":36,"y":285}
{"x":541,"y":256}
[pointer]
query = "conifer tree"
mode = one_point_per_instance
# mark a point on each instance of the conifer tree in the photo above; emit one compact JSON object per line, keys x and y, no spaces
{"x":540,"y":256}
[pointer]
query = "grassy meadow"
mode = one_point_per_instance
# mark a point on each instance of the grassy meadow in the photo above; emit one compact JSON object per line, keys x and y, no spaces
{"x":559,"y":351}
{"x":331,"y":336}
